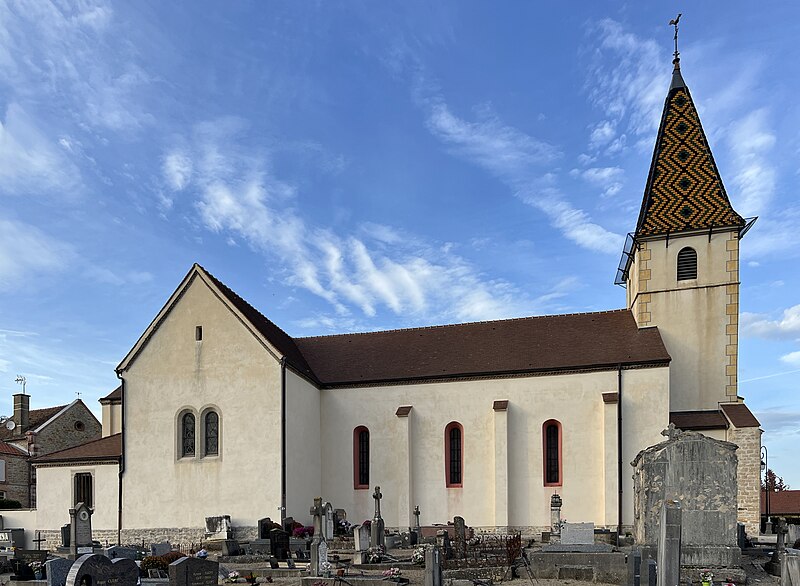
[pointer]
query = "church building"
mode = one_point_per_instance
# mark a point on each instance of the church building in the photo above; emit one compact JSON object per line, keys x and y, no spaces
{"x":223,"y":413}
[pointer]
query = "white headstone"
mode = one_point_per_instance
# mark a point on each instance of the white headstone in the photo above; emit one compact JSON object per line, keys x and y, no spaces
{"x":577,"y":533}
{"x":327,"y":521}
{"x":361,"y":535}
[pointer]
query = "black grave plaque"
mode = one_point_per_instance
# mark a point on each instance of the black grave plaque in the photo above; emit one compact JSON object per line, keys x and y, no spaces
{"x":193,"y":572}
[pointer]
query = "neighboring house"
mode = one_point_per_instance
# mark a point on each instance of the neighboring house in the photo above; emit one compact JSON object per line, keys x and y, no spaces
{"x":222,"y":412}
{"x":783,"y":503}
{"x":33,"y":432}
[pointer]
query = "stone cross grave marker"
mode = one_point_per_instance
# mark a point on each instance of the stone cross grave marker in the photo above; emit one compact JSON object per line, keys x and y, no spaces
{"x":327,"y":521}
{"x":555,"y":517}
{"x":316,"y":513}
{"x":416,"y":517}
{"x":98,"y":570}
{"x":57,"y":570}
{"x":193,"y":572}
{"x":80,"y":519}
{"x":377,"y":533}
{"x":577,"y":533}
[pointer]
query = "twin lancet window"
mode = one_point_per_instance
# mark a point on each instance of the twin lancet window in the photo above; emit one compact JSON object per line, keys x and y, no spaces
{"x":209,"y":434}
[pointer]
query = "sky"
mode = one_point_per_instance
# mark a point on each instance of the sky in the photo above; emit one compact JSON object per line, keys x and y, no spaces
{"x":353,"y":166}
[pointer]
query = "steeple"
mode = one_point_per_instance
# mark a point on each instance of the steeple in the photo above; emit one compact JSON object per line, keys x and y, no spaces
{"x":684,"y":191}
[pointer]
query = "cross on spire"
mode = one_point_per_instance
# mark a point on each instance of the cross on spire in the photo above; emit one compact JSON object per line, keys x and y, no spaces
{"x":674,"y":22}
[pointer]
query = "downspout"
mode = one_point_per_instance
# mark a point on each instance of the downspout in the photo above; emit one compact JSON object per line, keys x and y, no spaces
{"x":619,"y":452}
{"x":121,"y":458}
{"x":283,"y":439}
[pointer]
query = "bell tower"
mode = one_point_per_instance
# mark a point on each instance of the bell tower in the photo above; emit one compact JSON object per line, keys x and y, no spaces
{"x":681,"y":265}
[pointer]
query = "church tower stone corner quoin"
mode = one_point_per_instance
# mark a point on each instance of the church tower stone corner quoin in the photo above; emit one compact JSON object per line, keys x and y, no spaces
{"x":683,"y":267}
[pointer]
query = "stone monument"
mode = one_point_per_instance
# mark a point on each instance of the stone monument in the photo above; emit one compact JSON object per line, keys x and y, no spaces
{"x":80,"y":519}
{"x":377,"y":529}
{"x":98,"y":570}
{"x":699,"y":473}
{"x":555,"y":518}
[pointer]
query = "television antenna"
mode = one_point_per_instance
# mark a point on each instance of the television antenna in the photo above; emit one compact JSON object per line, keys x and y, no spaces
{"x":21,"y":380}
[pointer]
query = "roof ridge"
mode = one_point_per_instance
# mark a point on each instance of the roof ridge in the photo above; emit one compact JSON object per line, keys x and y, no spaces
{"x":469,"y":323}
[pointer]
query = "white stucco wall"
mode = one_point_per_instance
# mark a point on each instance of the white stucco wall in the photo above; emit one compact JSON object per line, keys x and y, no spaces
{"x":55,"y":495}
{"x":691,"y":315}
{"x":303,"y":459}
{"x":112,"y":419}
{"x":231,"y":371}
{"x":573,"y":399}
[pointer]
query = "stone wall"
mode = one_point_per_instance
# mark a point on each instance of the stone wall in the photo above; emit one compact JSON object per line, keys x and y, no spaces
{"x":62,"y":434}
{"x":748,"y":476}
{"x":17,"y":478}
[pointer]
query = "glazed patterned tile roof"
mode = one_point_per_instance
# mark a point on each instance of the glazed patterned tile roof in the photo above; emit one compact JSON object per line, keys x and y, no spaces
{"x":684,"y":190}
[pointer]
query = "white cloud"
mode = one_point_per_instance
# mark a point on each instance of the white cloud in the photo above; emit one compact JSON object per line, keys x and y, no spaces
{"x":609,"y":179}
{"x":750,"y":141}
{"x":792,"y":358}
{"x":31,"y":163}
{"x":26,"y":251}
{"x":760,"y":326}
{"x":516,"y":159}
{"x":177,"y":169}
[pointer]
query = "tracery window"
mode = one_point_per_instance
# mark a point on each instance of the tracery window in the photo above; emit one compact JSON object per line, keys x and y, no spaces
{"x":361,"y":457}
{"x":211,"y":425}
{"x":187,"y":435}
{"x":551,"y":432}
{"x":454,"y":454}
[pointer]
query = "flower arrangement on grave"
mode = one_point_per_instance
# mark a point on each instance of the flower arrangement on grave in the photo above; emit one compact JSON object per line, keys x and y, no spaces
{"x":375,"y":554}
{"x":706,"y":577}
{"x":325,"y":568}
{"x":344,"y":526}
{"x":250,"y":578}
{"x":303,"y":532}
{"x":232,"y":577}
{"x":392,"y":574}
{"x":38,"y":569}
{"x":418,"y":557}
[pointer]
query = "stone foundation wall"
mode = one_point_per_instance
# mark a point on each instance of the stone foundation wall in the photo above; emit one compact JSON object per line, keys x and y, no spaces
{"x":749,"y":476}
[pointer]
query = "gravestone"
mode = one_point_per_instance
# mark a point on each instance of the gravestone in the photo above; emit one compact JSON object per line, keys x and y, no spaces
{"x":781,"y":529}
{"x":80,"y":519}
{"x":230,"y":547}
{"x":319,"y":556}
{"x":288,"y":524}
{"x":279,"y":543}
{"x":260,"y":547}
{"x":433,"y":566}
{"x":328,"y":526}
{"x":98,"y":570}
{"x":415,"y":536}
{"x":162,"y":548}
{"x":273,"y":563}
{"x":120,"y":551}
{"x":652,"y":573}
{"x":361,"y":536}
{"x":577,"y":533}
{"x":790,"y":567}
{"x":218,"y":528}
{"x":699,"y":472}
{"x":57,"y":570}
{"x":265,"y":526}
{"x":339,"y":517}
{"x":669,"y":546}
{"x":555,"y":517}
{"x":460,"y":528}
{"x":634,"y":568}
{"x":443,"y":543}
{"x":65,"y":534}
{"x":193,"y":572}
{"x":377,"y":529}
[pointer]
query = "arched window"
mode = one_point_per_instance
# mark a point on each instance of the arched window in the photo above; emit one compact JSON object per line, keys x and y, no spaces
{"x":551,"y":444}
{"x":187,"y":435}
{"x":211,"y":428}
{"x":687,"y":264}
{"x":360,"y":457}
{"x":454,"y":454}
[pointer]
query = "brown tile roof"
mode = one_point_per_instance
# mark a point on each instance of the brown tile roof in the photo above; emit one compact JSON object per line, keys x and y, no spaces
{"x":784,"y":502}
{"x":36,"y":417}
{"x":10,"y":450}
{"x":684,"y":190}
{"x":491,"y":348}
{"x":106,"y":448}
{"x":277,"y":337}
{"x":698,"y":420}
{"x":114,"y":396}
{"x":740,"y":415}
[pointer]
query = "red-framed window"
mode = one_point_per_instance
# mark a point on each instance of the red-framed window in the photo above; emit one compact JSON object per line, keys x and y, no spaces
{"x":360,"y":457}
{"x":454,"y":455}
{"x":551,"y":453}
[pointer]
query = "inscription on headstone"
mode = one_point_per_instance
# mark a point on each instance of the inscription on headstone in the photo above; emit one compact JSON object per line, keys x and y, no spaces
{"x":279,"y":544}
{"x":98,"y":570}
{"x":327,"y":521}
{"x":577,"y":533}
{"x":80,"y":529}
{"x":193,"y":572}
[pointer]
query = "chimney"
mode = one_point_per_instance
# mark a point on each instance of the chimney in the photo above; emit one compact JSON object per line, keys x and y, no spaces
{"x":21,"y":408}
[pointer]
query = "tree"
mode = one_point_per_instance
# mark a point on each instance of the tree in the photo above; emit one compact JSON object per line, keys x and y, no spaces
{"x":773,"y":482}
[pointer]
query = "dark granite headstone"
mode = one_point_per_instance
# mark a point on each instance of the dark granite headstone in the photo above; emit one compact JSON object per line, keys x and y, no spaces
{"x":288,"y":524}
{"x":98,"y":570}
{"x":57,"y":570}
{"x":279,"y":544}
{"x":193,"y":572}
{"x":652,"y":573}
{"x":22,"y":571}
{"x":265,"y":526}
{"x":160,"y":548}
{"x":31,"y":555}
{"x":261,"y":547}
{"x":230,"y":547}
{"x":120,"y":551}
{"x":65,"y":532}
{"x":461,"y":536}
{"x":273,"y":562}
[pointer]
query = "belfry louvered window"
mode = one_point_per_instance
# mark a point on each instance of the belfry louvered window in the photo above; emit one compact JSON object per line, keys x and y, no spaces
{"x":687,"y":264}
{"x":187,"y":435}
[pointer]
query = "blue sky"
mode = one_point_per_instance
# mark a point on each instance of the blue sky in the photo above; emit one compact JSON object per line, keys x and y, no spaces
{"x":361,"y":165}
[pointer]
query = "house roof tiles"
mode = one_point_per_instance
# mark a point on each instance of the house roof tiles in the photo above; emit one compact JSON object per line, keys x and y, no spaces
{"x":107,"y":448}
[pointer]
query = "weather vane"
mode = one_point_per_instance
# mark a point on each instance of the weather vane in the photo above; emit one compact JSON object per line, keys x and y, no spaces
{"x":674,"y":22}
